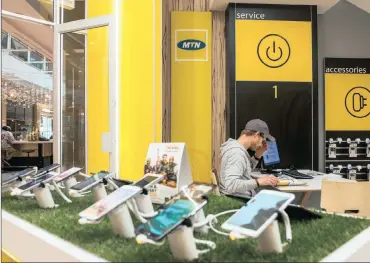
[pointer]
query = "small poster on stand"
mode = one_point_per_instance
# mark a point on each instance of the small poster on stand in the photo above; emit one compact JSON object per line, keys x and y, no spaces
{"x":170,"y":160}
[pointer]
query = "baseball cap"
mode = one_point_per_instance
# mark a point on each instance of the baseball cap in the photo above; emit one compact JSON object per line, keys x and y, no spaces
{"x":259,"y":126}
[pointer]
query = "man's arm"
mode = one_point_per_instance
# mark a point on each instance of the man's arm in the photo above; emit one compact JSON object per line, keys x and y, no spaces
{"x":232,"y":177}
{"x":10,"y":138}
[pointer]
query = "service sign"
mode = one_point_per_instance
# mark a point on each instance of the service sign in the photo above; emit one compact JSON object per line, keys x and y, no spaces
{"x":347,"y":94}
{"x":271,"y":49}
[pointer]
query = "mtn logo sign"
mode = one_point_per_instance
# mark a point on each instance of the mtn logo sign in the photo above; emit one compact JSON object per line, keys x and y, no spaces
{"x":191,"y":44}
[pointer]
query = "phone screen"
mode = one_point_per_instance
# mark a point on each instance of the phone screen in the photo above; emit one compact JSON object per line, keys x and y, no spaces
{"x":109,"y":202}
{"x":20,"y":174}
{"x":88,"y":181}
{"x":35,"y":181}
{"x":67,"y":174}
{"x":174,"y":213}
{"x":145,"y":181}
{"x":257,"y":211}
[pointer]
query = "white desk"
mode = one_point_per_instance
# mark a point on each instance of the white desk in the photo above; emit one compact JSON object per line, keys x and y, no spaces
{"x":313,"y":185}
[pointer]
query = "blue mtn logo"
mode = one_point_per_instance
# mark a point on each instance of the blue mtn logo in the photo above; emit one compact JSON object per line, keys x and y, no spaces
{"x":191,"y":44}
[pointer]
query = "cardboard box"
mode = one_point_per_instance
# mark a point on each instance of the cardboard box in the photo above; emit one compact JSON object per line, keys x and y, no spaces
{"x":347,"y":197}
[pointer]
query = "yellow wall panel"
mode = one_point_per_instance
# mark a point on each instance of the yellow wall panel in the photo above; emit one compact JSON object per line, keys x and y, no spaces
{"x":140,"y":90}
{"x":97,"y":87}
{"x":191,"y":88}
{"x":7,"y":257}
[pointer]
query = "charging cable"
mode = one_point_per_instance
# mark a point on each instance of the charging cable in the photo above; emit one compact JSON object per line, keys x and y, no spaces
{"x":133,"y":207}
{"x":143,"y":239}
{"x":61,"y":193}
{"x":210,"y":244}
{"x":213,"y":219}
{"x":77,"y":194}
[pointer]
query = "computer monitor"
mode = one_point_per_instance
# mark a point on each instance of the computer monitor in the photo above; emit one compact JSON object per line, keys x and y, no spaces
{"x":271,"y":156}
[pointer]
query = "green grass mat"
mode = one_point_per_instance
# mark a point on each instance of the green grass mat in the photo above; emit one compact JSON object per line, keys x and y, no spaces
{"x":312,"y":241}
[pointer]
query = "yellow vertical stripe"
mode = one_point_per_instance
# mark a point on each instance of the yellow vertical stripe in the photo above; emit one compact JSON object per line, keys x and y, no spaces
{"x":158,"y":68}
{"x":191,"y":88}
{"x":97,"y":87}
{"x":139,"y":91}
{"x":7,"y":257}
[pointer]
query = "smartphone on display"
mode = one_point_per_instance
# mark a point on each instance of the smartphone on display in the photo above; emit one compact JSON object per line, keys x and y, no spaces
{"x":48,"y":168}
{"x":110,"y":202}
{"x":36,"y":182}
{"x":149,"y":180}
{"x":90,"y":182}
{"x":120,"y":182}
{"x":255,"y":216}
{"x":66,"y":174}
{"x":17,"y":175}
{"x":172,"y":215}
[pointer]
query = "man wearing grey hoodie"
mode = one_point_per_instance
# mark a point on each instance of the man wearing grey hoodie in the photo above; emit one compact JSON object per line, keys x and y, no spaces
{"x":237,"y":164}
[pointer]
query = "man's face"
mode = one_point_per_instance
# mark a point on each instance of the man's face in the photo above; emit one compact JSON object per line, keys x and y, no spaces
{"x":164,"y":158}
{"x":257,"y":141}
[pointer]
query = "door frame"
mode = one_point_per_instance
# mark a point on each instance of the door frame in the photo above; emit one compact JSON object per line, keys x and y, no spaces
{"x":85,"y":24}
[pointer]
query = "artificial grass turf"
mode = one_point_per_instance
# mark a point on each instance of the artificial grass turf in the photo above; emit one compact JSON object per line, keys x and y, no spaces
{"x":312,"y":240}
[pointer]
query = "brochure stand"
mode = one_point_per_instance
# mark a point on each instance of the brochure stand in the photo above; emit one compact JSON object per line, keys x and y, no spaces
{"x":99,"y":192}
{"x":171,"y":160}
{"x":122,"y":222}
{"x":44,"y":197}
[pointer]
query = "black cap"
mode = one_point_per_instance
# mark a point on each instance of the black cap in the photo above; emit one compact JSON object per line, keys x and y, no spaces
{"x":259,"y":126}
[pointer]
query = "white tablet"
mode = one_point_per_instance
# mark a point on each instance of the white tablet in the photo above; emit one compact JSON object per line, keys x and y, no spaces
{"x":253,"y":218}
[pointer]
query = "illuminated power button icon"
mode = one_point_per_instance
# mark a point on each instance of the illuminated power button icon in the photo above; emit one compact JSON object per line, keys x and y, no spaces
{"x":357,"y":103}
{"x":273,"y":51}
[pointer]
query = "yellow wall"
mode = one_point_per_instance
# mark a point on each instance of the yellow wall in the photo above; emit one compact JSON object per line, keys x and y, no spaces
{"x":140,"y":98}
{"x":97,"y":87}
{"x":191,"y":90}
{"x":140,"y":91}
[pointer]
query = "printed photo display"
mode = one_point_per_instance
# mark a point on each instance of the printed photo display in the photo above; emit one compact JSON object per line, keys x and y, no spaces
{"x":165,"y":161}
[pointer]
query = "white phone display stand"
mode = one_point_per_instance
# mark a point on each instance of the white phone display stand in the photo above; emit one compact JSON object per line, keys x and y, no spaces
{"x":99,"y":192}
{"x":71,"y":181}
{"x":44,"y":197}
{"x":122,"y":222}
{"x":269,"y":241}
{"x":199,"y":218}
{"x":182,"y":243}
{"x":144,"y":204}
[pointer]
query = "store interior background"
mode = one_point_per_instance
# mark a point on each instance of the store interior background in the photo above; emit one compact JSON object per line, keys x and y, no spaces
{"x":145,"y":77}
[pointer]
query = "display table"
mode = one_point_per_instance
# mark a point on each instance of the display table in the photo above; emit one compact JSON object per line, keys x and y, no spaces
{"x":312,"y":241}
{"x":313,"y":185}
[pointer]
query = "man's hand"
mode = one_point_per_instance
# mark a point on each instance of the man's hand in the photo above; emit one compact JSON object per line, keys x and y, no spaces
{"x":268,"y":180}
{"x":261,"y":150}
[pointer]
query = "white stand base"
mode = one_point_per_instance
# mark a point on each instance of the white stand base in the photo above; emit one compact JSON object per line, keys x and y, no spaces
{"x":144,"y":204}
{"x":71,"y":181}
{"x":182,"y":243}
{"x":122,"y":222}
{"x":269,"y":241}
{"x":200,"y":217}
{"x":99,"y":192}
{"x":44,"y":197}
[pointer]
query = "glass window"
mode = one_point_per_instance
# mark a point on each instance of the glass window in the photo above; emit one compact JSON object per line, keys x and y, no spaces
{"x":25,"y":81}
{"x":35,"y":56}
{"x":4,"y":40}
{"x":40,"y":9}
{"x":72,"y":10}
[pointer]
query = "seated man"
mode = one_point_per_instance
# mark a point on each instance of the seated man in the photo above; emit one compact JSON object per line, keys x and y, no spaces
{"x":237,"y":164}
{"x":7,"y":140}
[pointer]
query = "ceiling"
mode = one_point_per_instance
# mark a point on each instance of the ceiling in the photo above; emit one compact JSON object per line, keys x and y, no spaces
{"x":322,"y":5}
